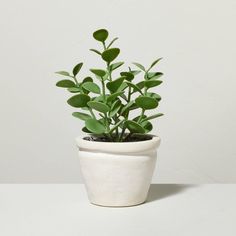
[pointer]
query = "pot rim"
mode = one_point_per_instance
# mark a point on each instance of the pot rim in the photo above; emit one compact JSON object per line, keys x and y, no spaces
{"x":118,"y":147}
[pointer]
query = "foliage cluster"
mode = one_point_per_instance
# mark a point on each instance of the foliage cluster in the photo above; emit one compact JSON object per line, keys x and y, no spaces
{"x":106,"y":109}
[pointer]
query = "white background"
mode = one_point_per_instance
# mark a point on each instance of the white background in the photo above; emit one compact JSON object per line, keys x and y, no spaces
{"x":197,"y":40}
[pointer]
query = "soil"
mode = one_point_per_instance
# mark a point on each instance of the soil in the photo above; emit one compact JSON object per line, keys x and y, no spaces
{"x":133,"y":138}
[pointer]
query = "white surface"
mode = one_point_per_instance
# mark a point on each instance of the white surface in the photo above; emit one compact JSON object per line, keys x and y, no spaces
{"x":62,"y":210}
{"x":117,"y":174}
{"x":197,"y":40}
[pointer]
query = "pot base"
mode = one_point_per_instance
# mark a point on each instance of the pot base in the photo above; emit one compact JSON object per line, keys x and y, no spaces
{"x":129,"y":205}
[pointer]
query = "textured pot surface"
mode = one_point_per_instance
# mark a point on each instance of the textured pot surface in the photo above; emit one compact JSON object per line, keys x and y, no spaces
{"x":117,"y":174}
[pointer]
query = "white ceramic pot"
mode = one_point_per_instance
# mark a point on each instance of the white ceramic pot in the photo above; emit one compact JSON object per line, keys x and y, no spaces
{"x":117,"y":174}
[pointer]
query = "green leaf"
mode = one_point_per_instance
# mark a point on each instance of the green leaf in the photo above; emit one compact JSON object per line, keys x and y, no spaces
{"x":100,"y":35}
{"x":139,"y":66}
{"x":81,"y":115}
{"x":115,"y":84}
{"x":84,"y":129}
{"x":110,"y":54}
{"x":115,"y":103}
{"x":135,"y":87}
{"x":116,"y":65}
{"x":126,"y":107}
{"x":96,"y":51}
{"x":65,"y":73}
{"x":87,"y":79}
{"x":154,"y":63}
{"x":65,"y":83}
{"x":91,"y":87}
{"x":146,"y":103}
{"x":154,"y":95}
{"x":85,"y":108}
{"x":138,"y":117}
{"x":95,"y":126}
{"x":115,"y":107}
{"x":147,"y":126}
{"x":116,"y":126}
{"x":113,"y":40}
{"x":152,"y":83}
{"x":98,"y":72}
{"x":133,"y":107}
{"x":123,"y":86}
{"x":114,"y":96}
{"x":74,"y":90}
{"x":105,"y":77}
{"x":153,"y":116}
{"x":77,"y":68}
{"x":134,"y":127}
{"x":98,"y":99}
{"x":79,"y":100}
{"x":135,"y":72}
{"x":154,"y":75}
{"x":99,"y":106}
{"x":128,"y":75}
{"x":140,"y":84}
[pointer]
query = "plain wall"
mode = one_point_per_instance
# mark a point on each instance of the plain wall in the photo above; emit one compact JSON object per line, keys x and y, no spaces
{"x":195,"y":38}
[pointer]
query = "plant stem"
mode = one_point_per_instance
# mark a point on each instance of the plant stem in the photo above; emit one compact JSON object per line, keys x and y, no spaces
{"x":127,"y":115}
{"x":91,"y":112}
{"x":109,"y":72}
{"x":129,"y":94}
{"x":103,"y":91}
{"x":104,"y":100}
{"x":104,"y":45}
{"x":76,"y":81}
{"x":141,"y":116}
{"x":122,"y":134}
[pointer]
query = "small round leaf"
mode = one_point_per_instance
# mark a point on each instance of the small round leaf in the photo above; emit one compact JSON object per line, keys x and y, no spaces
{"x":91,"y":87}
{"x":87,"y":79}
{"x":79,"y":100}
{"x":139,"y":66}
{"x":65,"y":73}
{"x":116,"y":65}
{"x":147,"y":126}
{"x":115,"y":84}
{"x":95,"y":126}
{"x":135,"y":87}
{"x":99,"y":106}
{"x":146,"y":103}
{"x":140,"y":84}
{"x":153,"y":75}
{"x":110,"y":54}
{"x":134,"y":127}
{"x":77,"y":68}
{"x":154,"y":63}
{"x":65,"y":83}
{"x":100,"y":35}
{"x":74,"y":90}
{"x":81,"y":115}
{"x":84,"y":129}
{"x":98,"y":72}
{"x":128,"y":75}
{"x":115,"y":107}
{"x":114,"y":96}
{"x":152,"y":83}
{"x":154,"y":95}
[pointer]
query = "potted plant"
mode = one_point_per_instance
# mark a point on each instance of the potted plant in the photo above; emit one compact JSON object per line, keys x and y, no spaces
{"x":117,"y":156}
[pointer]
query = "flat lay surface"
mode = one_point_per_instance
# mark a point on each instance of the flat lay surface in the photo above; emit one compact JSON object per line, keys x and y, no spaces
{"x":63,"y":210}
